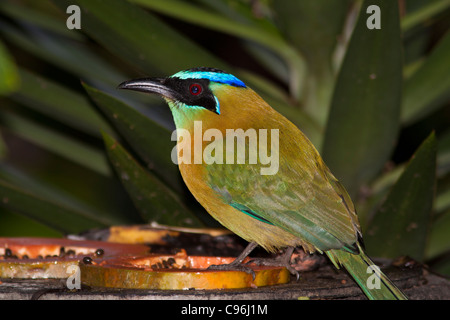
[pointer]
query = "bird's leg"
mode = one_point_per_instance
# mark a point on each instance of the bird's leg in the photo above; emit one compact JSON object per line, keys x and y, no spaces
{"x":237,"y":265}
{"x":283,"y":261}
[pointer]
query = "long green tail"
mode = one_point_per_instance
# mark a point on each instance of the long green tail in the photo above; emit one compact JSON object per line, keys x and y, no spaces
{"x":375,"y":284}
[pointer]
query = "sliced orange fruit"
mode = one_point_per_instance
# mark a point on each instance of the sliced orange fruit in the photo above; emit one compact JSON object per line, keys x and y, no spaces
{"x":50,"y":257}
{"x":176,"y":272}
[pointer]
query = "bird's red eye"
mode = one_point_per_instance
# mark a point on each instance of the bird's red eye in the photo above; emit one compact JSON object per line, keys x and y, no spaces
{"x":195,"y":89}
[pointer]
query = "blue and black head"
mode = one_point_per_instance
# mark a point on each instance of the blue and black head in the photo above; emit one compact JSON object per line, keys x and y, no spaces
{"x":189,"y":88}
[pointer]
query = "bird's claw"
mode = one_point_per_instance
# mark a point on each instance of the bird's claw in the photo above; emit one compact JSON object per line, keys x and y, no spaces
{"x":232,"y":267}
{"x":275,"y":263}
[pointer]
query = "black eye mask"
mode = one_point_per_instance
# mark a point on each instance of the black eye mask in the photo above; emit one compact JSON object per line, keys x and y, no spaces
{"x":194,"y":92}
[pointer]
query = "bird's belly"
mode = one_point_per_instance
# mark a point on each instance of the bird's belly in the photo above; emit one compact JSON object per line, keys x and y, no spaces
{"x":269,"y":236}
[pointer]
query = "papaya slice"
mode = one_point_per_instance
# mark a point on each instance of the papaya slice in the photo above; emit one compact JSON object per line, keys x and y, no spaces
{"x":175,"y":272}
{"x":42,"y":258}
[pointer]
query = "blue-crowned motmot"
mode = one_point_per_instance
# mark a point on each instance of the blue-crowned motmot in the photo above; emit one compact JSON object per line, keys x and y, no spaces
{"x":301,"y":204}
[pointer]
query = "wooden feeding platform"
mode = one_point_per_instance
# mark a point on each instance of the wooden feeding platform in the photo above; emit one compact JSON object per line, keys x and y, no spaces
{"x":172,"y":265}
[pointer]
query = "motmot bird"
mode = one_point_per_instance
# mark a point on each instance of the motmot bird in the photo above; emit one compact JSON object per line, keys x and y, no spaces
{"x":301,"y":204}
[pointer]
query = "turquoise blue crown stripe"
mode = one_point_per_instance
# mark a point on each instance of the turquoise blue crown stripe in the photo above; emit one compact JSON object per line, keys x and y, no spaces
{"x":225,"y":78}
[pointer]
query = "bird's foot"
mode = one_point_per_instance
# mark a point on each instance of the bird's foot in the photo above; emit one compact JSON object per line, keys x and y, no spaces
{"x":275,"y":262}
{"x":280,"y":261}
{"x":233,"y":267}
{"x":237,"y":265}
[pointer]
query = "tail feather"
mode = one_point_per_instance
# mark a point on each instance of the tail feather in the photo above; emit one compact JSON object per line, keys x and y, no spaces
{"x":375,"y":284}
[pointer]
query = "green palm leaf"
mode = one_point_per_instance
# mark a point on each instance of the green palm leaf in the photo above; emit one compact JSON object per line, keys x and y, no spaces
{"x":342,"y":84}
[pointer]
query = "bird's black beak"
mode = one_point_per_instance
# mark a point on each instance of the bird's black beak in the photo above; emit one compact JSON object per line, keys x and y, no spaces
{"x":151,"y":85}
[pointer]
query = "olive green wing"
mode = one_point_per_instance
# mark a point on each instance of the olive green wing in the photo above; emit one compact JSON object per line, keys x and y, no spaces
{"x":302,"y":197}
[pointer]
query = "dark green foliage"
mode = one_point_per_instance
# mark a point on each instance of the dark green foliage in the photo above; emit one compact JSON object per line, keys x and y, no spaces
{"x":77,"y":153}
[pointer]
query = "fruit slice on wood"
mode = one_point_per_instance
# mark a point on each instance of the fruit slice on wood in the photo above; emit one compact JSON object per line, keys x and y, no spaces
{"x":175,"y":272}
{"x":50,"y":257}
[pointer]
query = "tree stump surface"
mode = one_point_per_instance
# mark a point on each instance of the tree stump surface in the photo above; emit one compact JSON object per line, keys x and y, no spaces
{"x":325,"y":283}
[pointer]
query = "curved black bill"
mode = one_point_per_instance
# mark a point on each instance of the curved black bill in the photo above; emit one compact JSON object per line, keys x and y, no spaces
{"x":150,"y":85}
